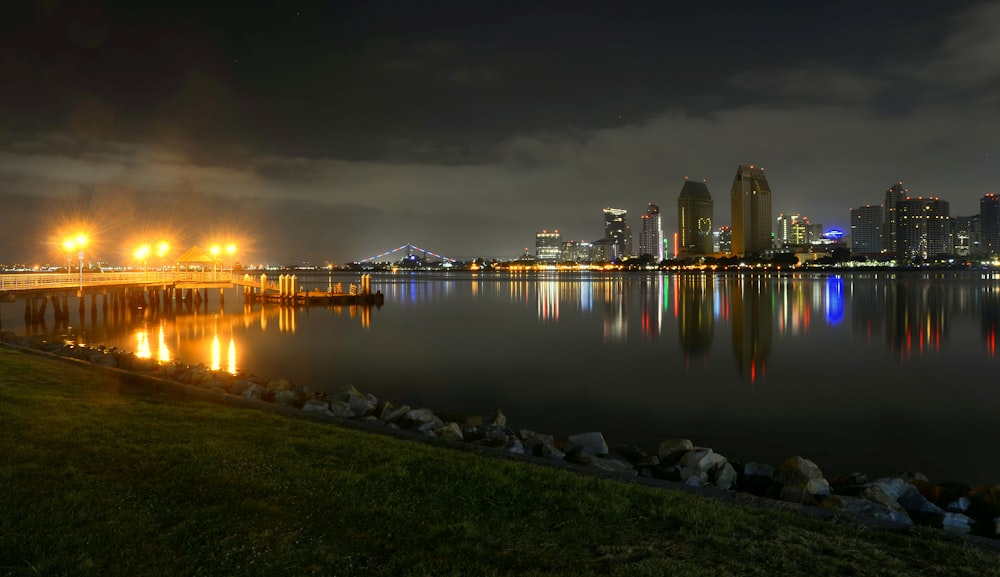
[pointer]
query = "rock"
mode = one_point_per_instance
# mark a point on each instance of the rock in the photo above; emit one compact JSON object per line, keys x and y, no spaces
{"x":688,"y":473}
{"x":673,"y":449}
{"x":893,"y":486}
{"x":144,"y":365}
{"x":630,"y":453}
{"x":848,"y":479}
{"x":592,"y":443}
{"x":360,"y":406}
{"x":494,"y":436}
{"x":254,"y":391}
{"x":919,"y":508}
{"x":497,"y":418}
{"x":341,"y":409}
{"x":449,"y":432}
{"x":547,"y":450}
{"x":415,"y":418}
{"x":391,"y":413}
{"x":292,"y":398}
{"x":957,"y":523}
{"x":667,"y":472}
{"x":960,"y":505}
{"x":723,"y":477}
{"x":798,"y":494}
{"x":527,"y":435}
{"x":344,"y":393}
{"x":317,"y":406}
{"x":514,"y":446}
{"x":797,"y":471}
{"x":611,"y":464}
{"x":859,"y":506}
{"x":702,"y":459}
{"x":875,"y":494}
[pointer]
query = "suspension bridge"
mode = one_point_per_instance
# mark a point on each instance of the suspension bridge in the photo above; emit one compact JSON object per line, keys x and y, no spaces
{"x":413,"y":252}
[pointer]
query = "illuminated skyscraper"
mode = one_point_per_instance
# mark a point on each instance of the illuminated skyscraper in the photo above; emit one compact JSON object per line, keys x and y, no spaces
{"x":895,"y":194}
{"x":694,"y":219}
{"x":618,"y":233}
{"x":651,"y":237}
{"x":783,"y":234}
{"x":866,"y":229}
{"x":923,"y":229}
{"x":989,"y":214}
{"x":548,"y":246}
{"x":751,"y":211}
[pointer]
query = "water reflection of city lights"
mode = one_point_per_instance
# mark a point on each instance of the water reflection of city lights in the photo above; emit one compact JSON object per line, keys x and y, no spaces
{"x":216,"y":353}
{"x":164,"y":353}
{"x":142,"y":344}
{"x":231,"y":356}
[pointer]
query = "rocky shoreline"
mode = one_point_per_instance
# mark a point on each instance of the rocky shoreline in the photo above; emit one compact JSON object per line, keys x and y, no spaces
{"x":904,"y":500}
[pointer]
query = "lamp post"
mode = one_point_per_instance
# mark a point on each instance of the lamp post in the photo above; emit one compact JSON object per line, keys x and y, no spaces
{"x":142,"y":253}
{"x":215,"y":261}
{"x":77,"y":243}
{"x":231,"y":251}
{"x":161,"y":251}
{"x":70,"y":246}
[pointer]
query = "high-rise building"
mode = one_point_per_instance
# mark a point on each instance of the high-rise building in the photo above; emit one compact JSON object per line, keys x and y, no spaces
{"x":783,"y":234}
{"x":989,"y":214}
{"x":923,"y":229}
{"x":694,"y":218}
{"x":866,"y":229}
{"x":751,"y":207}
{"x":967,"y":235}
{"x":617,"y":231}
{"x":577,"y":251}
{"x":548,"y":246}
{"x":651,"y":237}
{"x":893,"y":195}
{"x":725,"y":235}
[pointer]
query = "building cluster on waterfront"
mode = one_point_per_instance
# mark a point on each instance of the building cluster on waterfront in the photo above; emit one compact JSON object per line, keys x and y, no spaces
{"x":903,"y":230}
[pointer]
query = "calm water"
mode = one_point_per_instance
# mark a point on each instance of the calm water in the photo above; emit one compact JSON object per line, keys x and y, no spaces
{"x":877,"y":373}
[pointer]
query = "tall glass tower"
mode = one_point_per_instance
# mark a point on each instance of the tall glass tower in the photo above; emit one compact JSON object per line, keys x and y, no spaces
{"x":751,"y":205}
{"x":651,"y":237}
{"x":694,"y":219}
{"x":893,"y":196}
{"x":989,"y":214}
{"x":617,"y":233}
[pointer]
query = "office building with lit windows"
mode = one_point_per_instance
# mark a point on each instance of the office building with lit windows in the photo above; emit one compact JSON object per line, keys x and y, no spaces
{"x":866,"y":229}
{"x":895,"y":194}
{"x":617,"y":233}
{"x":548,"y":246}
{"x":694,"y":219}
{"x":923,"y":229}
{"x":751,"y":211}
{"x":651,"y":237}
{"x":989,"y":223}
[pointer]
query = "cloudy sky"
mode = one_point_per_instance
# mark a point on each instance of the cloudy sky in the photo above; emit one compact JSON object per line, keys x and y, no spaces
{"x":333,"y":131}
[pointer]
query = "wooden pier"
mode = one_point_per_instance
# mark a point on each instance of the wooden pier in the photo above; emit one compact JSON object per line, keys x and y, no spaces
{"x":286,"y":291}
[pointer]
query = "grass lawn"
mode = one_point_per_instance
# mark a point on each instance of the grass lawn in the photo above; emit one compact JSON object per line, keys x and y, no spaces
{"x":102,"y":478}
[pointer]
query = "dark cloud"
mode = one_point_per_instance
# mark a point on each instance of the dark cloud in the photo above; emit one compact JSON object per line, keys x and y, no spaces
{"x":331,"y":131}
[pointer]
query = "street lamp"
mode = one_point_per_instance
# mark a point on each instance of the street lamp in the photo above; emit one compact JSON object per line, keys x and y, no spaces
{"x":77,"y":243}
{"x":161,"y":251}
{"x":215,"y":261}
{"x":142,"y":253}
{"x":231,"y":251}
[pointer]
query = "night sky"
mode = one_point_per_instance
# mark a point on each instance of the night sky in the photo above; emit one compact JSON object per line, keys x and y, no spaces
{"x":332,"y":131}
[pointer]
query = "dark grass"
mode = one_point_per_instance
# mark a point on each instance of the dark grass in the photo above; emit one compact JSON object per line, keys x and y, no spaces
{"x":102,"y":478}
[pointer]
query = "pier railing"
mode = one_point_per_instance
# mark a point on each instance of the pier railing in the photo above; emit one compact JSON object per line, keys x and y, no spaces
{"x":32,"y":281}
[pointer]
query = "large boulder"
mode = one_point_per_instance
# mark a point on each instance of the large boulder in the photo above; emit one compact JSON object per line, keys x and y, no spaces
{"x":341,"y":409}
{"x":390,"y":413}
{"x":672,"y":450}
{"x":416,"y":418}
{"x":611,"y":464}
{"x":859,"y":506}
{"x":592,"y":443}
{"x":797,"y":471}
{"x":449,"y":432}
{"x":360,"y":406}
{"x":317,"y":406}
{"x":702,"y":459}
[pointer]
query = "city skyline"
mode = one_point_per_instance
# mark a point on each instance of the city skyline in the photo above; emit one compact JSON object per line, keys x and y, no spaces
{"x":331,"y":133}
